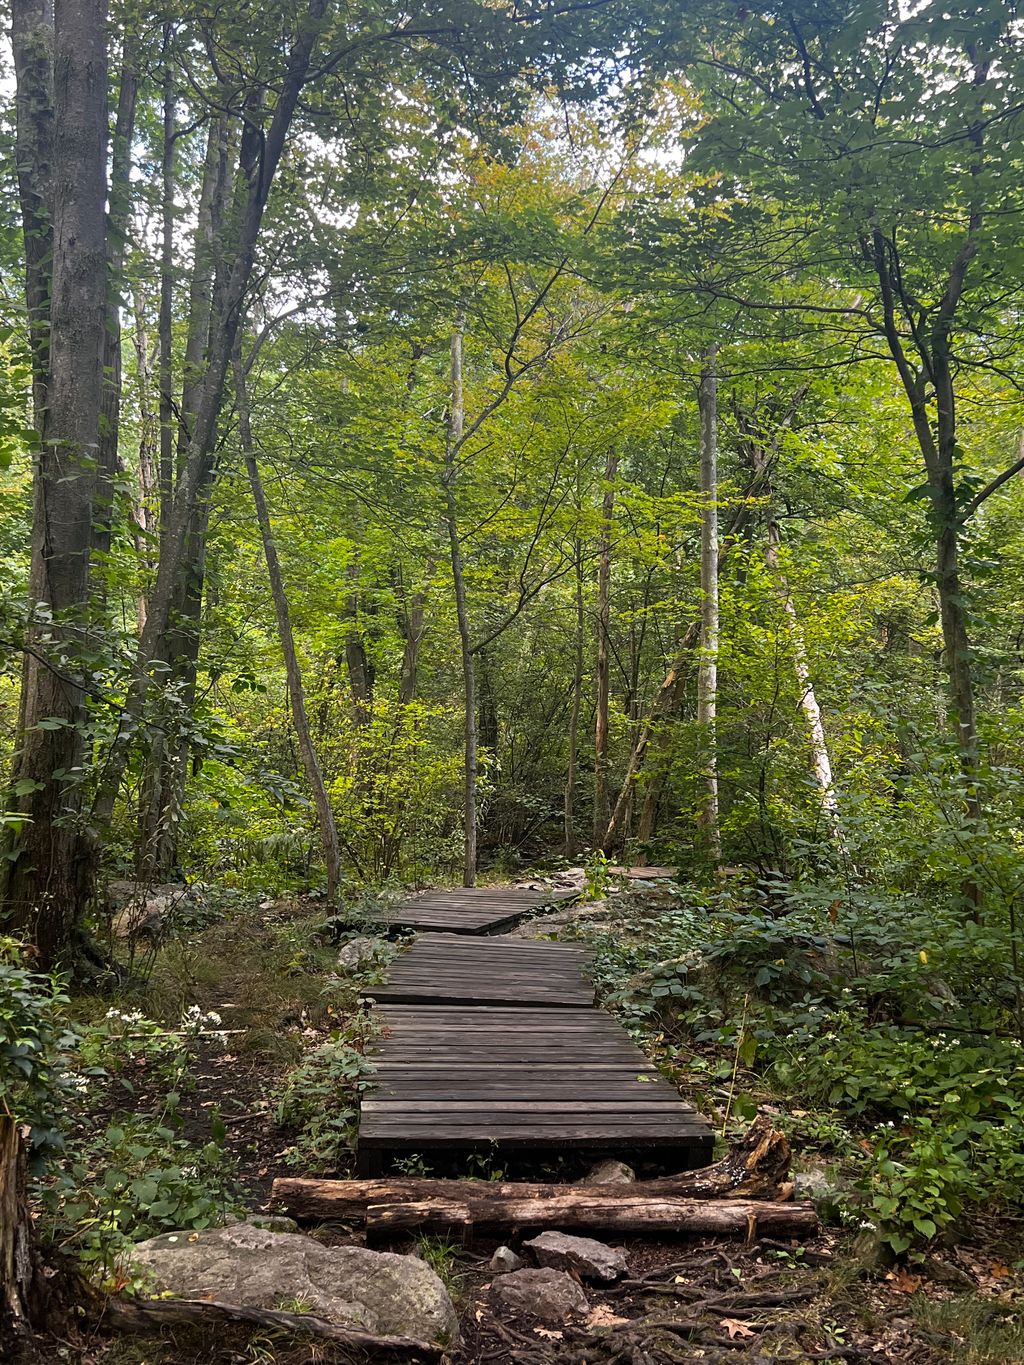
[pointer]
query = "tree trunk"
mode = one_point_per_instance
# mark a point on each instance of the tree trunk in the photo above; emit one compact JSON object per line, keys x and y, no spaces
{"x":456,"y":420}
{"x":707,"y":672}
{"x":166,"y":313}
{"x":821,"y":763}
{"x":571,"y":845}
{"x":117,"y":235}
{"x":259,"y":155}
{"x":603,"y":662}
{"x":32,"y":45}
{"x":47,"y":884}
{"x":360,"y":675}
{"x":296,"y":691}
{"x":22,"y":1282}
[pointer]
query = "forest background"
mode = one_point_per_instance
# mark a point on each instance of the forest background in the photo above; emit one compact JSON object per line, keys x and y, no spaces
{"x":437,"y":444}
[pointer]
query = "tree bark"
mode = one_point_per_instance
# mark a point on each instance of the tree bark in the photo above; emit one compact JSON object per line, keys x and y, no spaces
{"x":821,"y":762}
{"x":456,"y":421}
{"x":259,"y":154}
{"x":571,"y":844}
{"x":293,"y":672}
{"x":165,"y":318}
{"x":22,"y":1282}
{"x":707,"y":671}
{"x":117,"y":235}
{"x":46,"y":888}
{"x":603,"y":661}
{"x":755,"y":1167}
{"x":32,"y":39}
{"x":623,"y":1213}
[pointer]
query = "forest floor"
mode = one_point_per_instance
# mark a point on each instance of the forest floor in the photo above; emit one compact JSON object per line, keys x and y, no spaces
{"x":269,"y":972}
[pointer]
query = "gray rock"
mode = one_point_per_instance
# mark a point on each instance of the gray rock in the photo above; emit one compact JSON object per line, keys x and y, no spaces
{"x":548,"y":1296}
{"x":589,"y":1258}
{"x":377,"y":1290}
{"x":505,"y":1260}
{"x":270,"y":1222}
{"x":609,"y":1173}
{"x":359,"y":951}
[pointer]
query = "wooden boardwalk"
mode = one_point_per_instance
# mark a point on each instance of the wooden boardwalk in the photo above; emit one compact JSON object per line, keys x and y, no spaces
{"x":450,"y":969}
{"x":493,"y":1046}
{"x":470,"y":910}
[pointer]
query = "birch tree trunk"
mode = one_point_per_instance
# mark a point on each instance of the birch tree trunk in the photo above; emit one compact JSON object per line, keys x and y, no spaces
{"x":707,"y":672}
{"x":46,"y":885}
{"x":293,"y":672}
{"x":603,"y":660}
{"x":456,"y":422}
{"x":821,"y":762}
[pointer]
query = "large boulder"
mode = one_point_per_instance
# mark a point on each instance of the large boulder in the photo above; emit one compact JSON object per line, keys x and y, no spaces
{"x":547,"y":1296}
{"x":591,"y":1260}
{"x":359,"y":952}
{"x":377,"y":1290}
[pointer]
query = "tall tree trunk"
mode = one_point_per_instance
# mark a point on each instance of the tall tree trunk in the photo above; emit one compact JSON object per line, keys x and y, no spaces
{"x":456,"y":421}
{"x":167,"y":762}
{"x":360,"y":675}
{"x":821,"y":762}
{"x":117,"y":234}
{"x":487,"y":705}
{"x":707,"y":672}
{"x":603,"y":661}
{"x":414,"y":627}
{"x":166,"y":313}
{"x":32,"y":44}
{"x":571,"y":845}
{"x":259,"y":155}
{"x":296,"y":691}
{"x":46,"y":887}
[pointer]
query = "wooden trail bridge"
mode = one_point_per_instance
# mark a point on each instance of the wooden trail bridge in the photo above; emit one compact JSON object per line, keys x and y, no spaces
{"x":494,"y":1046}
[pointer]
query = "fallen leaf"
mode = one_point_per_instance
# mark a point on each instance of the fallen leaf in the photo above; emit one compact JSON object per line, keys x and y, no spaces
{"x":548,"y":1334}
{"x":735,"y":1328}
{"x":903,"y":1282}
{"x":999,"y":1271}
{"x":602,"y":1316}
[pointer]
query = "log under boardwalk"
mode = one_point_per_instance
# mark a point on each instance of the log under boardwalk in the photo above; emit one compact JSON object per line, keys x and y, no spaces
{"x":493,"y":1046}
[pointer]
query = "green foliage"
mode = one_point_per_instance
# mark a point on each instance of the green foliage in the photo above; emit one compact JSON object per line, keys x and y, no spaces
{"x":318,"y":1101}
{"x":35,"y":1083}
{"x":133,"y":1180}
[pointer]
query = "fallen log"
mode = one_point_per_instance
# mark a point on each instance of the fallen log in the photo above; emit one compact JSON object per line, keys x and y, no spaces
{"x":756,"y":1167}
{"x":597,"y":1209}
{"x":148,"y":1315}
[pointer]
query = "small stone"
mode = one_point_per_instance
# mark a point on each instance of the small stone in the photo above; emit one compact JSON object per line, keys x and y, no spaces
{"x":589,"y":1258}
{"x":609,"y":1173}
{"x":548,"y":1296}
{"x":505,"y":1260}
{"x":358,"y":952}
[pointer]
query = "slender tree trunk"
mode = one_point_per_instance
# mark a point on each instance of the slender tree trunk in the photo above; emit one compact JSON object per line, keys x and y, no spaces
{"x":603,"y":661}
{"x":47,"y":884}
{"x":32,"y":45}
{"x":358,"y":665}
{"x":571,"y":845}
{"x":415,"y":626}
{"x":821,"y":762}
{"x":259,"y":155}
{"x":456,"y":421}
{"x":296,"y":691}
{"x":117,"y":234}
{"x":165,"y":318}
{"x":707,"y":672}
